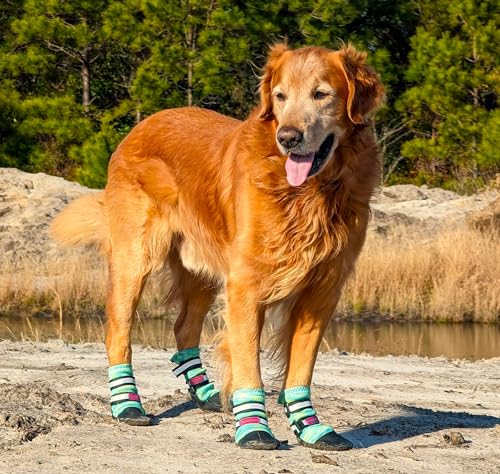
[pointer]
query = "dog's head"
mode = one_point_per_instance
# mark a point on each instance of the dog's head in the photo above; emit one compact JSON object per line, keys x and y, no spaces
{"x":315,"y":96}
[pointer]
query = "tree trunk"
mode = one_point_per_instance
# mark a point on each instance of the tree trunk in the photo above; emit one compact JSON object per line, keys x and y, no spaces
{"x":86,"y":81}
{"x":475,"y":98}
{"x":191,"y":44}
{"x":190,"y":84}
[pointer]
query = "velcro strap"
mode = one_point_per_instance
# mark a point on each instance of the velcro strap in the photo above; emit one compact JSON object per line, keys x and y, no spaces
{"x":297,"y":406}
{"x":198,"y":380}
{"x":123,"y":397}
{"x":307,"y":421}
{"x":252,"y":420}
{"x":249,"y":406}
{"x":185,"y":366}
{"x":121,"y":381}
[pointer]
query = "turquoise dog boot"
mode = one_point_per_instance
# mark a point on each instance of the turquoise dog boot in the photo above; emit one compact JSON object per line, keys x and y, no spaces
{"x":305,"y":423}
{"x":252,"y":427}
{"x":202,"y":391}
{"x":126,"y":404}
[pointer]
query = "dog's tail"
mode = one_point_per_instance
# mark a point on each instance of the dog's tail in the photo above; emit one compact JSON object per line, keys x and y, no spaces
{"x":83,"y":222}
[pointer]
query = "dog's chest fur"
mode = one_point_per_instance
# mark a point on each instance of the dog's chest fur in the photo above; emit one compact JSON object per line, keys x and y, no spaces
{"x":297,"y":247}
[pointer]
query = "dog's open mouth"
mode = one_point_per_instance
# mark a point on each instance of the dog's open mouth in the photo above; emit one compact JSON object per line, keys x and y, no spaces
{"x":300,"y":167}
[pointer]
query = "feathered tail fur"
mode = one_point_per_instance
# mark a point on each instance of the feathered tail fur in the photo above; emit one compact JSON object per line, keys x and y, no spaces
{"x":83,"y":222}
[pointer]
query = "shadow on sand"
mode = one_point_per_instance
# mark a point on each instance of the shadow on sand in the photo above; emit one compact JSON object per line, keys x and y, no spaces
{"x":173,"y":411}
{"x":413,"y":422}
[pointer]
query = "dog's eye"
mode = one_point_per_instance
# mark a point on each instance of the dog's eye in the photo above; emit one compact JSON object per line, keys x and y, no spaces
{"x":280,"y":96}
{"x":318,"y":95}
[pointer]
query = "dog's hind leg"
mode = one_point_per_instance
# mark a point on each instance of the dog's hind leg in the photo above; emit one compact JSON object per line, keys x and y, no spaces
{"x":196,"y":295}
{"x":129,"y":266}
{"x":307,"y":326}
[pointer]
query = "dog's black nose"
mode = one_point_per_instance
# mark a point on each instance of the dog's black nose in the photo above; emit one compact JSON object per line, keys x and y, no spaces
{"x":289,"y":137}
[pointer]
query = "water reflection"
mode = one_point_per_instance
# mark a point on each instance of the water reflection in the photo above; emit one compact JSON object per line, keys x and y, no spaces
{"x":469,"y":341}
{"x":452,"y":340}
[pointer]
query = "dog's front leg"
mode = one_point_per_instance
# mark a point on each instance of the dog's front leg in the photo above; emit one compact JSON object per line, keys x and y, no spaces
{"x":308,"y":322}
{"x":244,"y":320}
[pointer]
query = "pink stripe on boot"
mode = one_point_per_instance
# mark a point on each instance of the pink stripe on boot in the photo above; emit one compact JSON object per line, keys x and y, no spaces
{"x":134,"y":397}
{"x":250,"y":419}
{"x":311,"y":420}
{"x":198,"y":379}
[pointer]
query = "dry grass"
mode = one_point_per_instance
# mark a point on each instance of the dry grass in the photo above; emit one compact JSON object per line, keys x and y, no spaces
{"x":453,"y":277}
{"x":78,"y":282}
{"x":74,"y":285}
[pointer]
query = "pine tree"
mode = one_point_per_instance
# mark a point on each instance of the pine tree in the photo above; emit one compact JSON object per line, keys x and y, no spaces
{"x":14,"y":147}
{"x":452,"y":106}
{"x":76,"y":76}
{"x":51,"y":47}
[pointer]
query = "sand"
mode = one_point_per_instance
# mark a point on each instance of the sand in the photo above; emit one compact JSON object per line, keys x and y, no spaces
{"x":404,"y":415}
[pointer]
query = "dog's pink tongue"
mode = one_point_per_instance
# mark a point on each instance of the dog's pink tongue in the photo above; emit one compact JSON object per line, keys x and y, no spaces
{"x":298,"y":167}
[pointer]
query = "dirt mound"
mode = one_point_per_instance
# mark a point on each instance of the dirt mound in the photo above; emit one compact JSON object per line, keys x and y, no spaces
{"x":487,"y":218}
{"x":28,"y":202}
{"x":427,"y":210}
{"x":32,"y":409}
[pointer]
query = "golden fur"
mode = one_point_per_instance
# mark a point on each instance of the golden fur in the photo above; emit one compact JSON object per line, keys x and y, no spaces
{"x":208,"y":195}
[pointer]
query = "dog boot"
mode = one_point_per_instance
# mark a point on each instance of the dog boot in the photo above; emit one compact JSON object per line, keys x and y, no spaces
{"x":305,"y":424}
{"x":125,"y":401}
{"x":252,"y":429}
{"x":201,"y":390}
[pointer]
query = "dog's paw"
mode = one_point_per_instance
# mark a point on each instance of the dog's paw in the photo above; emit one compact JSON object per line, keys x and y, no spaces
{"x":134,"y":417}
{"x":329,"y":442}
{"x":258,"y":440}
{"x":212,"y":404}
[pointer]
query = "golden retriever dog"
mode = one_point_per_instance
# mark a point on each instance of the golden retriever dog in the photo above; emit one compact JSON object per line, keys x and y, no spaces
{"x":273,"y":210}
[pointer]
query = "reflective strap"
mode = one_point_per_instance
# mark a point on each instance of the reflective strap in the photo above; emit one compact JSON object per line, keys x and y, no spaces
{"x":186,"y":366}
{"x":299,"y":425}
{"x":252,"y":420}
{"x":249,"y":406}
{"x":121,"y":397}
{"x":122,"y":381}
{"x":297,"y":406}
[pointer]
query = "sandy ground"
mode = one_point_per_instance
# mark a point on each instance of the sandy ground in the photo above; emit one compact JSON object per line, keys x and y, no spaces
{"x":398,"y":411}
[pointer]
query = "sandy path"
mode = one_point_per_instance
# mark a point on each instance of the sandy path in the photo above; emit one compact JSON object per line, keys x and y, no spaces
{"x":395,"y":409}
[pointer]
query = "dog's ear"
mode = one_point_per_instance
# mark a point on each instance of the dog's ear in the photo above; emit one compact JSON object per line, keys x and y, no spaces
{"x":266,"y":102}
{"x":365,"y":91}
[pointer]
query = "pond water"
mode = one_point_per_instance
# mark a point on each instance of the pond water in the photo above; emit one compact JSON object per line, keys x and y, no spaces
{"x":453,"y":340}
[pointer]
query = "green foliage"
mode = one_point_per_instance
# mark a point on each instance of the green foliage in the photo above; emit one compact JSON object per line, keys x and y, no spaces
{"x":94,"y":155}
{"x":77,"y":75}
{"x":14,"y":147}
{"x":452,"y":104}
